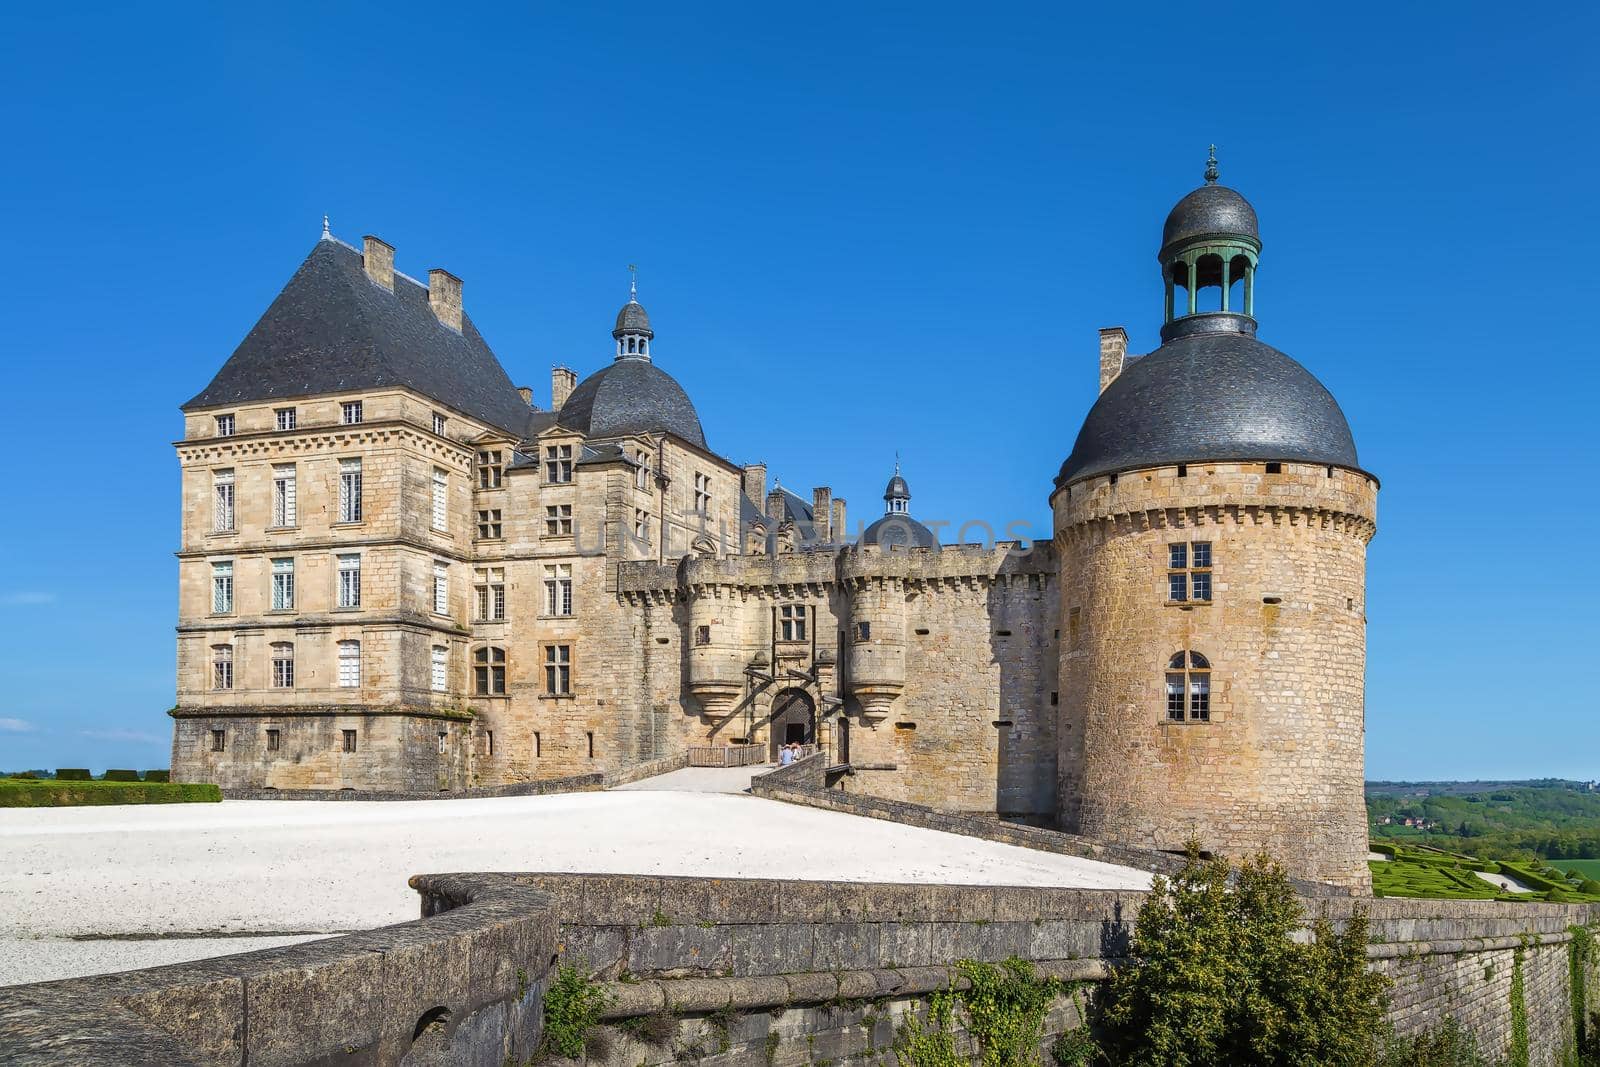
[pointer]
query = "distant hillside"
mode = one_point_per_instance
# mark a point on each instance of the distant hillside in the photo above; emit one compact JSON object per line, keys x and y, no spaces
{"x":1550,"y":818}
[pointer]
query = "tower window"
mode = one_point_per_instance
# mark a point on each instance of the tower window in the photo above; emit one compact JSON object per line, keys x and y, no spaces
{"x":863,"y":631}
{"x":224,"y":425}
{"x":702,"y":635}
{"x":349,"y":740}
{"x":489,"y":671}
{"x":219,"y":740}
{"x":1274,"y":468}
{"x":1188,"y":688}
{"x":489,"y":524}
{"x":1189,"y":572}
{"x":350,"y":412}
{"x":558,"y":670}
{"x":792,"y":622}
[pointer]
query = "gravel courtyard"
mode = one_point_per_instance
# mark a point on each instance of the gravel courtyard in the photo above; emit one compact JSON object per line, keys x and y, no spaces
{"x":89,"y":890}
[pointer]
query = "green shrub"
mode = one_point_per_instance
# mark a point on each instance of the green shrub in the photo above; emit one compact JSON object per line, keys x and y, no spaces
{"x":122,"y":776}
{"x":1447,"y":1045}
{"x":57,"y":793}
{"x":158,"y":776}
{"x":573,"y":1004}
{"x":1218,"y":978}
{"x":1384,"y":847}
{"x":1590,"y":887}
{"x":73,"y":774}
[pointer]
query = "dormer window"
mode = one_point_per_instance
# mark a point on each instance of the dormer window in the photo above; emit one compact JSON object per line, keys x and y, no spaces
{"x":224,"y":425}
{"x":558,"y":464}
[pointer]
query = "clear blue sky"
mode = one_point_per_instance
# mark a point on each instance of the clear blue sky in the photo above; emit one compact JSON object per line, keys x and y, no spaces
{"x":859,"y":228}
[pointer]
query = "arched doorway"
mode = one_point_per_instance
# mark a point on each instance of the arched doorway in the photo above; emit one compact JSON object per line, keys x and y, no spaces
{"x":794,"y":718}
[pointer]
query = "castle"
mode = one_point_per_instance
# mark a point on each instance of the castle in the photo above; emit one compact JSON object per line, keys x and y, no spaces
{"x":398,"y":573}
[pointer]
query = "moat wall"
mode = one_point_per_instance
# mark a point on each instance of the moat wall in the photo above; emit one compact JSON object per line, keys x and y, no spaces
{"x":745,"y":971}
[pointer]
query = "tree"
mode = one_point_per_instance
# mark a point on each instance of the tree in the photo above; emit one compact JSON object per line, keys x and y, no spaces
{"x":1217,"y":977}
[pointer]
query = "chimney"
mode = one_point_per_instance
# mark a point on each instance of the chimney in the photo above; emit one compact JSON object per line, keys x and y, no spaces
{"x":822,"y":514}
{"x":562,"y":381}
{"x":1113,"y":354}
{"x":840,"y":530}
{"x":775,"y":507}
{"x":377,"y":256}
{"x":755,"y":482}
{"x":444,"y":296}
{"x":526,"y":393}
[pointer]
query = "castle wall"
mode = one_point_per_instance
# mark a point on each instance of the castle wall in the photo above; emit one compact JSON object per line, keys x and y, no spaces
{"x":1279,"y":764}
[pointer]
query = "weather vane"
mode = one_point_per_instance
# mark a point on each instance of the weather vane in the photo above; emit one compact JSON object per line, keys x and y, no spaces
{"x":633,"y":285}
{"x":1211,"y":166}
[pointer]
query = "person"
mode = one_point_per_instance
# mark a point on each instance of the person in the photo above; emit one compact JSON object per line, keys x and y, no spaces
{"x":786,"y":755}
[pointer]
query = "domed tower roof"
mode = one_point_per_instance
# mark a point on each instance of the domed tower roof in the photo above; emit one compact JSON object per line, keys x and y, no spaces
{"x":1211,"y":392}
{"x":897,"y":527}
{"x":633,"y":395}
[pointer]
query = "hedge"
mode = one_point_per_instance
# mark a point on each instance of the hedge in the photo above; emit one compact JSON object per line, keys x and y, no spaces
{"x":73,"y":774}
{"x":158,"y":776}
{"x":122,"y":776}
{"x":19,"y":793}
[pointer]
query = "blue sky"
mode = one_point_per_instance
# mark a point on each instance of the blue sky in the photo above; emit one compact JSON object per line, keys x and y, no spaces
{"x":859,"y":229}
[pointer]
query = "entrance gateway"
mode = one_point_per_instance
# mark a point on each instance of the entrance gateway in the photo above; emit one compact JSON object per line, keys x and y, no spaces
{"x":794,"y":721}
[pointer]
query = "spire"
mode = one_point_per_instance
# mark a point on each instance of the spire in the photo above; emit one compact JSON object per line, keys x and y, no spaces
{"x":1211,"y":166}
{"x":633,"y":284}
{"x":897,"y":495}
{"x":326,"y":236}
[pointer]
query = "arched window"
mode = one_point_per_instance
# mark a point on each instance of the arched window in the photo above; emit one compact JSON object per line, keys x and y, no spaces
{"x":489,"y":671}
{"x":1188,"y":687}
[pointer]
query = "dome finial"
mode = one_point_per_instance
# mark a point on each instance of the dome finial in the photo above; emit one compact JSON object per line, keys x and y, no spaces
{"x":325,"y":233}
{"x":1211,"y":166}
{"x":897,"y":461}
{"x":633,"y":284}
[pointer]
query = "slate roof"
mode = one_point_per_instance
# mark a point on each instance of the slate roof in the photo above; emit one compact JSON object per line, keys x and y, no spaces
{"x":1210,"y":209}
{"x":332,"y":329}
{"x":633,"y":319}
{"x":631,"y":395}
{"x":898,"y":530}
{"x":1211,"y":394}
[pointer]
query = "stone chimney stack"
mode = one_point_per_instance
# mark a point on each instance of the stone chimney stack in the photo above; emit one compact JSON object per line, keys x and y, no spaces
{"x":822,"y":514}
{"x":755,"y":482}
{"x":444,"y":296}
{"x":841,"y":532}
{"x":562,"y":381}
{"x":526,"y":393}
{"x":775,"y":507}
{"x":1113,"y":354}
{"x":377,"y":257}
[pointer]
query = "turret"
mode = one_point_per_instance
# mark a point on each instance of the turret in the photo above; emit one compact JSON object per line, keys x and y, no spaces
{"x":876,"y":641}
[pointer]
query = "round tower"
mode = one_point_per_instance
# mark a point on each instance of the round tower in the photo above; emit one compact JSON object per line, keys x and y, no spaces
{"x":1212,"y":521}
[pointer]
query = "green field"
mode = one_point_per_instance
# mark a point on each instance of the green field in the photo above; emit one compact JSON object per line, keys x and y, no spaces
{"x":50,"y":793}
{"x":1587,"y":868}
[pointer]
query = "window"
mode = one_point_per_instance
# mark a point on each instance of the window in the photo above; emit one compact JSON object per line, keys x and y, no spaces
{"x":558,"y":520}
{"x":286,"y":418}
{"x":490,"y":469}
{"x":441,"y":588}
{"x":224,"y":425}
{"x":1274,"y":468}
{"x":488,"y":742}
{"x":792,"y":622}
{"x":702,"y":635}
{"x":558,"y":669}
{"x":558,"y":589}
{"x":441,"y":500}
{"x":274,"y":740}
{"x":489,"y":671}
{"x":538,"y":745}
{"x":444,"y":743}
{"x":349,"y":490}
{"x":283,"y":585}
{"x":222,"y":666}
{"x":349,"y":740}
{"x":285,"y":509}
{"x":350,"y":581}
{"x":1188,"y":688}
{"x":489,"y":524}
{"x":222,"y":588}
{"x":641,"y":526}
{"x":863,"y":631}
{"x":282,"y":665}
{"x":219,"y":740}
{"x":222,"y":514}
{"x":1189,"y":572}
{"x":349,"y":665}
{"x":641,"y":476}
{"x":440,"y":664}
{"x":558,"y":463}
{"x":490,"y":587}
{"x":589,"y":736}
{"x":350,"y":412}
{"x":438,"y":423}
{"x":702,"y":494}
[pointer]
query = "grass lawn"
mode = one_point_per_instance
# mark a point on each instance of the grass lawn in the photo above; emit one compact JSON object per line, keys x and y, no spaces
{"x":1587,"y":868}
{"x":50,"y":793}
{"x":1433,"y":873}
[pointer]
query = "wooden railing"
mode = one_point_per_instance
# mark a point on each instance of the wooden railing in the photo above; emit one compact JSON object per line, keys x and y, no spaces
{"x":726,"y":755}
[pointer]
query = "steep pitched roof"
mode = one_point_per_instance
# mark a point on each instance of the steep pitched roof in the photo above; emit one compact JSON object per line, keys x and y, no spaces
{"x":332,"y":329}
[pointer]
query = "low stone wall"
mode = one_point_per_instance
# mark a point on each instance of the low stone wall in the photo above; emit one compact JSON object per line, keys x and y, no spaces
{"x":464,"y":988}
{"x":578,"y":783}
{"x":732,"y":971}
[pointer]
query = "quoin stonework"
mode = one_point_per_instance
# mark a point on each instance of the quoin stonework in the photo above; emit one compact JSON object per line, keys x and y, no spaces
{"x":401,"y":573}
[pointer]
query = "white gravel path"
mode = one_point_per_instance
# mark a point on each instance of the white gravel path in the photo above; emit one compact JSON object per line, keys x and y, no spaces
{"x":306,"y":867}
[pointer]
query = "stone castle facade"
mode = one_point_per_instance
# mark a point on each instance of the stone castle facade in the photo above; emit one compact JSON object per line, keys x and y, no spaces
{"x":398,"y":573}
